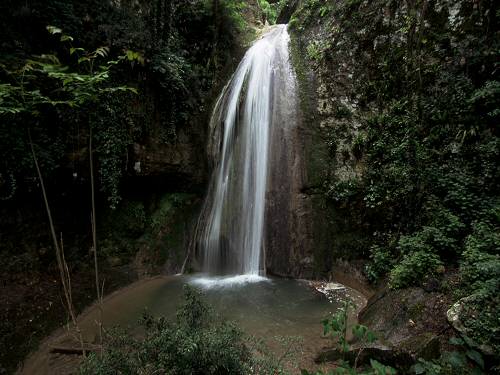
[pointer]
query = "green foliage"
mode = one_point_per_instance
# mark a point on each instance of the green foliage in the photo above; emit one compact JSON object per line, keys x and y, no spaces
{"x":174,"y":52}
{"x":342,"y":112}
{"x":315,"y":49}
{"x":486,"y":99}
{"x":44,"y":80}
{"x":413,"y":268}
{"x":234,"y":11}
{"x":197,"y":342}
{"x":376,"y":368}
{"x":358,"y":146}
{"x":294,"y":23}
{"x":129,"y":219}
{"x":428,"y":101}
{"x":167,"y":204}
{"x":381,"y":262}
{"x":480,"y":272}
{"x":342,"y":191}
{"x":337,"y":324}
{"x":441,"y":237}
{"x":111,"y":122}
{"x":336,"y":327}
{"x":173,"y":69}
{"x":157,"y":227}
{"x":465,"y":360}
{"x":309,"y":10}
{"x":194,"y":343}
{"x":363,"y":334}
{"x":270,"y":11}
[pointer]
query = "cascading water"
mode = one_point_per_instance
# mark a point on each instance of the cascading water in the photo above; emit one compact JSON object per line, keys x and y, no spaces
{"x":230,"y":235}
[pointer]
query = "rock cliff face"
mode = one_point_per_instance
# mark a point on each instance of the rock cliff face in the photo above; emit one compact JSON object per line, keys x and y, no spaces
{"x":180,"y":163}
{"x":324,"y":106}
{"x":289,"y":239}
{"x":176,"y":159}
{"x":287,"y":11}
{"x":332,"y":65}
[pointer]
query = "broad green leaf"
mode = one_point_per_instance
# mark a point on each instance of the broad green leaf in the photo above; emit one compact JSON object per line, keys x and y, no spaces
{"x":359,"y":331}
{"x":101,"y":51}
{"x":83,"y":59}
{"x":371,"y":336}
{"x":134,"y":56}
{"x":72,"y":50}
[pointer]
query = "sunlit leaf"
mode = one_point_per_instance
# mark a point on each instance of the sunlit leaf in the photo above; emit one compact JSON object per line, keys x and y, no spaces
{"x":72,"y":50}
{"x":53,"y":30}
{"x":65,"y":38}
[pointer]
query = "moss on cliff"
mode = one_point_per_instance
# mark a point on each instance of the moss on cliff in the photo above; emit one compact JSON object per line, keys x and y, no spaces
{"x":407,"y":102}
{"x":154,"y":231}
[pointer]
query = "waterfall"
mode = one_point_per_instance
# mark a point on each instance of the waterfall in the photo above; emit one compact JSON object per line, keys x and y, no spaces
{"x":230,"y":237}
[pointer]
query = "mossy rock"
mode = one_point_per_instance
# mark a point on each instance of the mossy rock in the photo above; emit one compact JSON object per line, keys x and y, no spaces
{"x":458,"y":315}
{"x":425,"y":345}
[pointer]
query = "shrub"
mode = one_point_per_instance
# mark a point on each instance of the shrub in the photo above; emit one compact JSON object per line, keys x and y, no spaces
{"x":382,"y":260}
{"x":270,"y":11}
{"x":430,"y":143}
{"x":480,"y":273}
{"x":195,"y":343}
{"x":336,"y":327}
{"x":413,"y":268}
{"x":343,"y":191}
{"x":293,"y":23}
{"x":465,"y":360}
{"x":429,"y":239}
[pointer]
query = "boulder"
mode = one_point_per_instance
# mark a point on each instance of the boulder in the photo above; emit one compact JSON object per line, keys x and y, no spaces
{"x":457,"y":314}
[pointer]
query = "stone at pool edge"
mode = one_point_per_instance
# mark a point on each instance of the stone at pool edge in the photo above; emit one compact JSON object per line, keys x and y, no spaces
{"x":400,"y":318}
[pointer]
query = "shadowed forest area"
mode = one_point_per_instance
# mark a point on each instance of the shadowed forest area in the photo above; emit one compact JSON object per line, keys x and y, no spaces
{"x":123,"y":130}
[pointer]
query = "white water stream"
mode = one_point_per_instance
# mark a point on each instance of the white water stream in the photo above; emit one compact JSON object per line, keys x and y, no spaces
{"x":230,"y":234}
